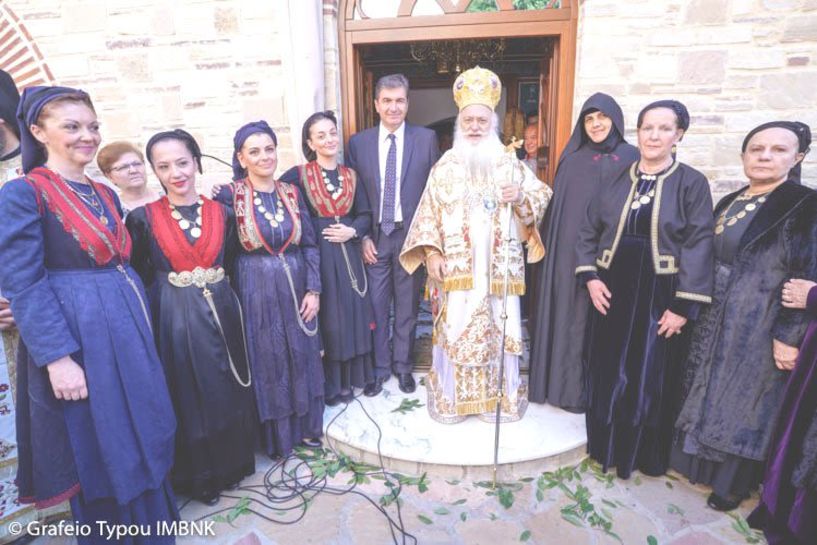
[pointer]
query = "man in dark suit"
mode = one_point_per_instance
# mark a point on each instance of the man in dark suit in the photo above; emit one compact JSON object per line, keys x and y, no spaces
{"x":392,"y":161}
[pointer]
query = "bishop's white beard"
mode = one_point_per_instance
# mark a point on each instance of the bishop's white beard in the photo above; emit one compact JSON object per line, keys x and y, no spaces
{"x":479,"y":157}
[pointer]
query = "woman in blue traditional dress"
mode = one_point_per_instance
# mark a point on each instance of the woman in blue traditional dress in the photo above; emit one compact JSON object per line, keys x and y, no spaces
{"x":183,"y":248}
{"x":279,"y":284}
{"x":95,"y":421}
{"x":341,"y":216}
{"x":645,"y":255}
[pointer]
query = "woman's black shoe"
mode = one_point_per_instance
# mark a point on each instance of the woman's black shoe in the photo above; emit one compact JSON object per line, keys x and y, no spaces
{"x":719,"y":503}
{"x":346,"y":397}
{"x":332,"y":401}
{"x":312,"y":443}
{"x":209,"y":499}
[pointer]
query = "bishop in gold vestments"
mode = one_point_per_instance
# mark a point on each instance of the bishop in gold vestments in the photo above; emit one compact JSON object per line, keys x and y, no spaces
{"x":460,"y":232}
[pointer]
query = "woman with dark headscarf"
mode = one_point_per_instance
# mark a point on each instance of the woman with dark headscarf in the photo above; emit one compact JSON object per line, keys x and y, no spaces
{"x":95,"y":421}
{"x":744,"y":344}
{"x":183,"y":248}
{"x":645,"y":255}
{"x":341,"y":216}
{"x":595,"y":155}
{"x":279,"y":283}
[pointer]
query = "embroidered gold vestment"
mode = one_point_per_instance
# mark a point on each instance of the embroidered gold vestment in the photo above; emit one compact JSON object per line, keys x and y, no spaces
{"x":463,"y":219}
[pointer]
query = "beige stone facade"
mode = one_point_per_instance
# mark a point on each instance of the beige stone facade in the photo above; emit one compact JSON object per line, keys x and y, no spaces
{"x":206,"y":66}
{"x":211,"y":65}
{"x":734,"y":63}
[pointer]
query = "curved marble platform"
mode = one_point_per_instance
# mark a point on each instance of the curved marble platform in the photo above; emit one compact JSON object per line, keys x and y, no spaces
{"x":413,"y":443}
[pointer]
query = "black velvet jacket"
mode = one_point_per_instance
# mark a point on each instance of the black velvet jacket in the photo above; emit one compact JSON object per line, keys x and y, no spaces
{"x":682,"y":229}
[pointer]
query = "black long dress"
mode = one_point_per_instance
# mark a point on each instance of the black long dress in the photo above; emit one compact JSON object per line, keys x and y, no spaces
{"x":346,"y":317}
{"x":633,"y":373}
{"x":727,"y":474}
{"x":559,"y":316}
{"x":203,"y":352}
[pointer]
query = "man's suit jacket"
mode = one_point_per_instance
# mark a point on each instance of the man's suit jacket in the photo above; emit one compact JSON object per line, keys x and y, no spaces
{"x":420,"y":152}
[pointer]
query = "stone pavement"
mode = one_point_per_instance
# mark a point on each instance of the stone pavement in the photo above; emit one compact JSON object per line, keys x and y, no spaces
{"x":567,"y":506}
{"x":576,"y":506}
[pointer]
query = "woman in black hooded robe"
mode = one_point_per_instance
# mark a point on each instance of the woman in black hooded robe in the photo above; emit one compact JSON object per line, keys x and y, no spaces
{"x":595,"y":154}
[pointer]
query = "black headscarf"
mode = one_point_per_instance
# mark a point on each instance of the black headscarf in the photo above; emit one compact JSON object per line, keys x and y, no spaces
{"x":602,"y":103}
{"x":800,"y":130}
{"x":31,"y":104}
{"x":9,"y":100}
{"x":177,"y":134}
{"x":241,"y":135}
{"x":681,"y":112}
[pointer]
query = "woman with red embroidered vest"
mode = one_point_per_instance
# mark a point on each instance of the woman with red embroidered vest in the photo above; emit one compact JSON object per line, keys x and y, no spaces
{"x":183,"y":248}
{"x":95,"y":421}
{"x":341,"y":216}
{"x":279,"y":284}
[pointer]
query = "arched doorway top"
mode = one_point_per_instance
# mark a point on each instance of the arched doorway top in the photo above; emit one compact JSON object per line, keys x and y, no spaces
{"x":378,"y":9}
{"x":19,"y":55}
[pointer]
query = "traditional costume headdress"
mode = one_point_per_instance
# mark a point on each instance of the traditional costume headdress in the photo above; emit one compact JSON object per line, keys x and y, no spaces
{"x":800,"y":130}
{"x":477,"y":86}
{"x":31,"y":104}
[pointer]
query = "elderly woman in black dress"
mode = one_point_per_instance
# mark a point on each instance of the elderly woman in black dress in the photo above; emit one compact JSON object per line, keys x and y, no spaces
{"x":645,"y":255}
{"x":745,"y":344}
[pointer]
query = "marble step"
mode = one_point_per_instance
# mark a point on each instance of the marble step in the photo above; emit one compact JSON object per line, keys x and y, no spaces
{"x":413,"y":444}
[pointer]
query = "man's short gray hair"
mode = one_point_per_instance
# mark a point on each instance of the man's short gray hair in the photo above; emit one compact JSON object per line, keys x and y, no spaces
{"x":392,"y":81}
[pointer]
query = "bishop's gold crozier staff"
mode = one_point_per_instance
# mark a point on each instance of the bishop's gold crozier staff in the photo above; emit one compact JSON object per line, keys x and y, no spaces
{"x":511,"y":148}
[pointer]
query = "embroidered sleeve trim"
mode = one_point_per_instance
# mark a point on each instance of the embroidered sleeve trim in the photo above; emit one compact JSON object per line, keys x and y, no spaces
{"x":693,"y":297}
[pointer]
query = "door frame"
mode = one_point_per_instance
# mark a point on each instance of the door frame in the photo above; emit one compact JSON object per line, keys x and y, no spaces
{"x":559,"y":23}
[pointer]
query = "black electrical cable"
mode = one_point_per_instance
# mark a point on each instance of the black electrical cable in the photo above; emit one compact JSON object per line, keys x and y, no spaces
{"x":291,"y":480}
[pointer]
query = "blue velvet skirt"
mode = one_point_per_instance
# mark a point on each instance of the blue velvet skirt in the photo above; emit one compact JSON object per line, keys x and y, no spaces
{"x":633,"y":374}
{"x":286,"y":363}
{"x":144,"y":515}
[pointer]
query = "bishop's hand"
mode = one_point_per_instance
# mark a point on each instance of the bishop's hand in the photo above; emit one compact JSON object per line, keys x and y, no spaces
{"x":511,"y":193}
{"x":435,"y":264}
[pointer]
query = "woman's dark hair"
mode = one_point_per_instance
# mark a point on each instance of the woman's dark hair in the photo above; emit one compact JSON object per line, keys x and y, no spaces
{"x":311,"y":120}
{"x":177,"y":134}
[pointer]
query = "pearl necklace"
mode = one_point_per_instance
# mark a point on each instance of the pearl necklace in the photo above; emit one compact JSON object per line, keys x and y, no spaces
{"x":334,"y":191}
{"x":273,"y":219}
{"x":186,"y":225}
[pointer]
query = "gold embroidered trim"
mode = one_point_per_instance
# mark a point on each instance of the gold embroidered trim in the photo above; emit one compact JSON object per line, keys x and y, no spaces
{"x":585,"y":268}
{"x":452,"y":283}
{"x":608,"y":253}
{"x":693,"y":296}
{"x":515,"y":287}
{"x":664,"y":264}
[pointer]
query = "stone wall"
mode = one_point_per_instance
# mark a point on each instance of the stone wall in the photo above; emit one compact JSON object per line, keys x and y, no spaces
{"x":150,"y":65}
{"x":734,"y":63}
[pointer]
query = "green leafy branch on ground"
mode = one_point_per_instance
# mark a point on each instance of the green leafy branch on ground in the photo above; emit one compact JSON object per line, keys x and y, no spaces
{"x":327,"y":463}
{"x":582,"y":511}
{"x":742,"y":527}
{"x":408,"y":405}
